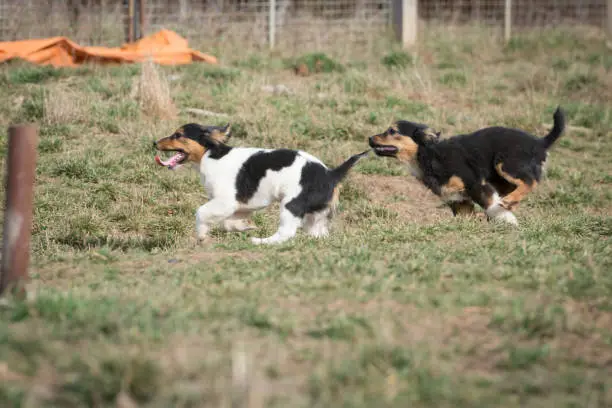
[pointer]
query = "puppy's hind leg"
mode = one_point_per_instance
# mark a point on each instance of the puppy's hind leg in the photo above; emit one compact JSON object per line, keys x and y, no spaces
{"x":287,"y":229}
{"x":317,"y":224}
{"x":524,"y":182}
{"x":239,"y":222}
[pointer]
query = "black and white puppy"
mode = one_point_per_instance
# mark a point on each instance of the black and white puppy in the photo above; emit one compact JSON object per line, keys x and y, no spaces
{"x":240,"y":180}
{"x":495,"y":167}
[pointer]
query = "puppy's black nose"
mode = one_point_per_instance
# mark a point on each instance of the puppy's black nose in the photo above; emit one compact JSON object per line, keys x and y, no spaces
{"x":154,"y":144}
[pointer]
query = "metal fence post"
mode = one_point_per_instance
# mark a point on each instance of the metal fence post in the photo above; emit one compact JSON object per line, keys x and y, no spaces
{"x":272,"y":24}
{"x":20,"y":175}
{"x":508,"y":20}
{"x":405,"y":21}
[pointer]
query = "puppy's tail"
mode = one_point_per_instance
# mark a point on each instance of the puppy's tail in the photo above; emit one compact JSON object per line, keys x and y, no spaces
{"x":338,"y":174}
{"x":557,"y":129}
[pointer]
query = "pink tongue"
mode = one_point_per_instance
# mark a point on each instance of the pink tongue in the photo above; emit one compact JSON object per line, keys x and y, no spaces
{"x":171,"y":162}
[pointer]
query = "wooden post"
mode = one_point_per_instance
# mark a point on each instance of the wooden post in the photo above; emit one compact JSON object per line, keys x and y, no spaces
{"x":130,"y":22}
{"x":476,"y":10}
{"x":405,"y":21}
{"x":508,"y":20}
{"x":609,"y":19}
{"x":20,"y":174}
{"x":141,"y":26}
{"x":272,"y":24}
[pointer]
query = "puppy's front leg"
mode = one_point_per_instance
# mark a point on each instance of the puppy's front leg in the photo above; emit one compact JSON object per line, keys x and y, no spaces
{"x":210,"y":214}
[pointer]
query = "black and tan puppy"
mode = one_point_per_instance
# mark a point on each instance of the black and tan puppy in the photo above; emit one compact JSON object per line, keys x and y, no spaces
{"x":495,"y":167}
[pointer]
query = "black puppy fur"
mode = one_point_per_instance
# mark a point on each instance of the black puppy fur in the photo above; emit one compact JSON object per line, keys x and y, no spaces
{"x":479,"y":167}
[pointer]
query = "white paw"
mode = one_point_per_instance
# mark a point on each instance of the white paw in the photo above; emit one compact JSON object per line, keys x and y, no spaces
{"x":319,"y":233}
{"x":268,"y":241}
{"x":506,"y":217}
{"x":495,"y":210}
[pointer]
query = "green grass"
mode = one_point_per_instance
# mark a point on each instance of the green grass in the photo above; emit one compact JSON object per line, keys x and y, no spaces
{"x":403,"y":305}
{"x":397,"y":59}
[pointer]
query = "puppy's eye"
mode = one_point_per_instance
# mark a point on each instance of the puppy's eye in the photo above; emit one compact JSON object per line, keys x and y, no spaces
{"x":392,"y":131}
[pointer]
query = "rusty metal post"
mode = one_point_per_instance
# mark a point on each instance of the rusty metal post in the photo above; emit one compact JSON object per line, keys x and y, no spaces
{"x":141,"y":26}
{"x":20,"y":174}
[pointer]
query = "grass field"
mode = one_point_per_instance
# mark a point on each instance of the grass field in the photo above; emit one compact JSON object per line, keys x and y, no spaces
{"x":402,"y":306}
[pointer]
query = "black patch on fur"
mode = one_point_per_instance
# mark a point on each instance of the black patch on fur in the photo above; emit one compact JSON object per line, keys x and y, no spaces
{"x":318,"y":183}
{"x":409,"y":128}
{"x":317,"y":190}
{"x":255,"y":167}
{"x":419,"y":132}
{"x":219,"y":151}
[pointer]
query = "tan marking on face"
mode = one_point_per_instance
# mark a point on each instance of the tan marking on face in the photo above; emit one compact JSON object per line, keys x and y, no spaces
{"x":406,"y":147}
{"x":192,"y":149}
{"x":453,"y":190}
{"x":512,"y":200}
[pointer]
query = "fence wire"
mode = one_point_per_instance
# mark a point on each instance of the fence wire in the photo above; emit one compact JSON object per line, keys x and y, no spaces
{"x":525,"y":13}
{"x":299,"y":24}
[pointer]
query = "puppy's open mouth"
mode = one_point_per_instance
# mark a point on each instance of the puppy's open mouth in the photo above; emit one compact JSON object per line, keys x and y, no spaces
{"x":382,"y":150}
{"x":173,"y":162}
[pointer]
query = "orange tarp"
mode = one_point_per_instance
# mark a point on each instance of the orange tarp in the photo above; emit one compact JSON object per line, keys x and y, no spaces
{"x":164,"y":47}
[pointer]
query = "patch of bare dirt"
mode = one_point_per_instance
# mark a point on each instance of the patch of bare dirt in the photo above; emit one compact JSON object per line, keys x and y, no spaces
{"x":403,"y":195}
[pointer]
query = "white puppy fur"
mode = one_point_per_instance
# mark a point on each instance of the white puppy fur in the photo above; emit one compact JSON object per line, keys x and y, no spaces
{"x":497,"y":212}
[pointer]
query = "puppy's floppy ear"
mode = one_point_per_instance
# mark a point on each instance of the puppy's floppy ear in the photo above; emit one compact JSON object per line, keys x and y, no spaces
{"x":430,"y":134}
{"x":220,"y":134}
{"x":227,"y":131}
{"x":424,"y":136}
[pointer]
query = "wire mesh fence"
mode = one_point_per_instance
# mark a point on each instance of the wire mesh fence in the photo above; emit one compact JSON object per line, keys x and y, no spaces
{"x":525,"y":13}
{"x":90,"y":22}
{"x":298,"y":24}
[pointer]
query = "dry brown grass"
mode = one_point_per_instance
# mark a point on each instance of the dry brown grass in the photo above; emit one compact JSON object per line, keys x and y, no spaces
{"x":153,"y":93}
{"x":64,"y":105}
